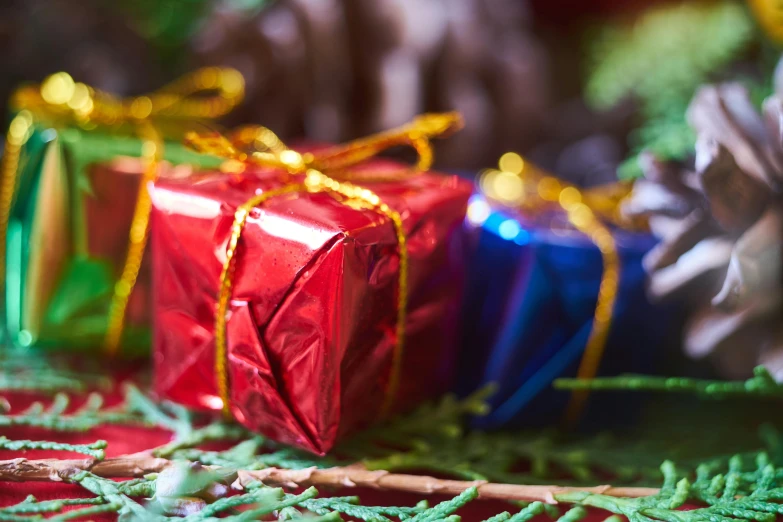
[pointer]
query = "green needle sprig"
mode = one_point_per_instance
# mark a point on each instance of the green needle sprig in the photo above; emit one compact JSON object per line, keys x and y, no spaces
{"x":761,"y":385}
{"x":201,"y":483}
{"x":22,"y":371}
{"x":659,"y":59}
{"x":95,"y":450}
{"x":87,"y":417}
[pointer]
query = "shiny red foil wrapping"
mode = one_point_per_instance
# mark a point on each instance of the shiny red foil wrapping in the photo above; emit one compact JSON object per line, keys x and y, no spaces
{"x":311,"y":325}
{"x":109,"y":213}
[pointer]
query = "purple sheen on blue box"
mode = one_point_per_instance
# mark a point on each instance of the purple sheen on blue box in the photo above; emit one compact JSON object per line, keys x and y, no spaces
{"x":529,"y":305}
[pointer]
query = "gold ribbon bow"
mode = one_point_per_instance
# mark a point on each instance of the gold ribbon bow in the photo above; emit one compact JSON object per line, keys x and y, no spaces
{"x":520,"y":185}
{"x":206,"y":93}
{"x":322,"y":171}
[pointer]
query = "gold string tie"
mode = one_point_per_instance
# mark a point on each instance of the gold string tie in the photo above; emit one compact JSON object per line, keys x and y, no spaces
{"x":522,"y":186}
{"x":204,"y":94}
{"x":323,"y":171}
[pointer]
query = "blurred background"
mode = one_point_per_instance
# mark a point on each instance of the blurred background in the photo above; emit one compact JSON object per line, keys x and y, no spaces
{"x":578,"y":88}
{"x":563,"y":82}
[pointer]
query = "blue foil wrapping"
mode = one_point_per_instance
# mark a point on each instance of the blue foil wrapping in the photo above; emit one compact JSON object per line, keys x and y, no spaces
{"x":529,"y":306}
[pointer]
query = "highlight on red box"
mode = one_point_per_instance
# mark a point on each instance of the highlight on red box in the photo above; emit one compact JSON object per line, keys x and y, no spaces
{"x":311,"y":322}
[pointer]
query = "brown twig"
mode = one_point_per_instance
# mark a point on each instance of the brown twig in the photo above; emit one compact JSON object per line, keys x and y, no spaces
{"x":357,"y":477}
{"x":57,"y":470}
{"x":137,"y":465}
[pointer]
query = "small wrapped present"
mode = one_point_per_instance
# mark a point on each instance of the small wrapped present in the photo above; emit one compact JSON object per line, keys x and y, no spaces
{"x":74,"y":164}
{"x":303,"y":305}
{"x":555,"y":289}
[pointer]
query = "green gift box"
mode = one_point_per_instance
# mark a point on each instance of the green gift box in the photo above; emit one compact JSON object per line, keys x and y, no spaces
{"x":73,"y":211}
{"x":68,"y":235}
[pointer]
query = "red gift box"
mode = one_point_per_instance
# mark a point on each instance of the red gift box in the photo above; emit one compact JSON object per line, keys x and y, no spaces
{"x":311,"y":322}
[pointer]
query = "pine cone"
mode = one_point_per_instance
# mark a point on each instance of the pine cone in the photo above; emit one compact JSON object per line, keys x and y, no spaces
{"x":721,"y":230}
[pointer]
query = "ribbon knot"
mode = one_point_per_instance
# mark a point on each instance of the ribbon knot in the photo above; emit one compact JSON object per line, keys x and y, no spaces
{"x":325,"y":171}
{"x":256,"y":145}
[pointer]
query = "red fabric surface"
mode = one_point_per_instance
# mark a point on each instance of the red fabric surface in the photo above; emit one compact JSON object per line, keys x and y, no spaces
{"x":124,"y":440}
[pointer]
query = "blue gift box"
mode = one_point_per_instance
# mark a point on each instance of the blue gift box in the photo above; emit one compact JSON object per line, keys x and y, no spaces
{"x":529,"y":307}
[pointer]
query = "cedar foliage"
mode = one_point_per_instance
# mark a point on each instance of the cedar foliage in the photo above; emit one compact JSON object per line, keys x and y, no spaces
{"x":744,"y":486}
{"x":659,"y":60}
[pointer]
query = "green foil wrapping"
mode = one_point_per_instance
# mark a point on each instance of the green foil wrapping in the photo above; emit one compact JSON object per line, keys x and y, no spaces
{"x":68,"y":234}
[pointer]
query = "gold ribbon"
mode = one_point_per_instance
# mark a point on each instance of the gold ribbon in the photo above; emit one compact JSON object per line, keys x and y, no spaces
{"x":521,"y":185}
{"x":206,"y":93}
{"x":322,"y":171}
{"x":769,"y":14}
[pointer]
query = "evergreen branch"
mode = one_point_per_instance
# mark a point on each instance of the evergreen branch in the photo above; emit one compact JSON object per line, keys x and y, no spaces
{"x":270,"y":500}
{"x":350,"y":506}
{"x":444,"y":509}
{"x":111,"y":507}
{"x":432,"y":441}
{"x":292,"y":458}
{"x":761,"y":385}
{"x":573,"y":515}
{"x":498,"y":457}
{"x":33,"y":373}
{"x":442,"y":420}
{"x":737,"y":494}
{"x":218,"y":431}
{"x":659,"y":60}
{"x":533,"y":457}
{"x":729,"y":487}
{"x":332,"y":516}
{"x":31,"y":506}
{"x":86,"y":418}
{"x":666,"y":53}
{"x":179,"y":421}
{"x":50,"y":384}
{"x":244,"y":456}
{"x":142,"y":487}
{"x":111,"y":492}
{"x":264,"y":496}
{"x":94,"y":450}
{"x":529,"y":512}
{"x":137,"y":410}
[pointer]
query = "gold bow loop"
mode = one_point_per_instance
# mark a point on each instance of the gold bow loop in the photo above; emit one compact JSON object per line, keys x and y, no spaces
{"x":324,"y":171}
{"x":207,"y":93}
{"x":520,"y":185}
{"x":256,"y":145}
{"x":204,"y":94}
